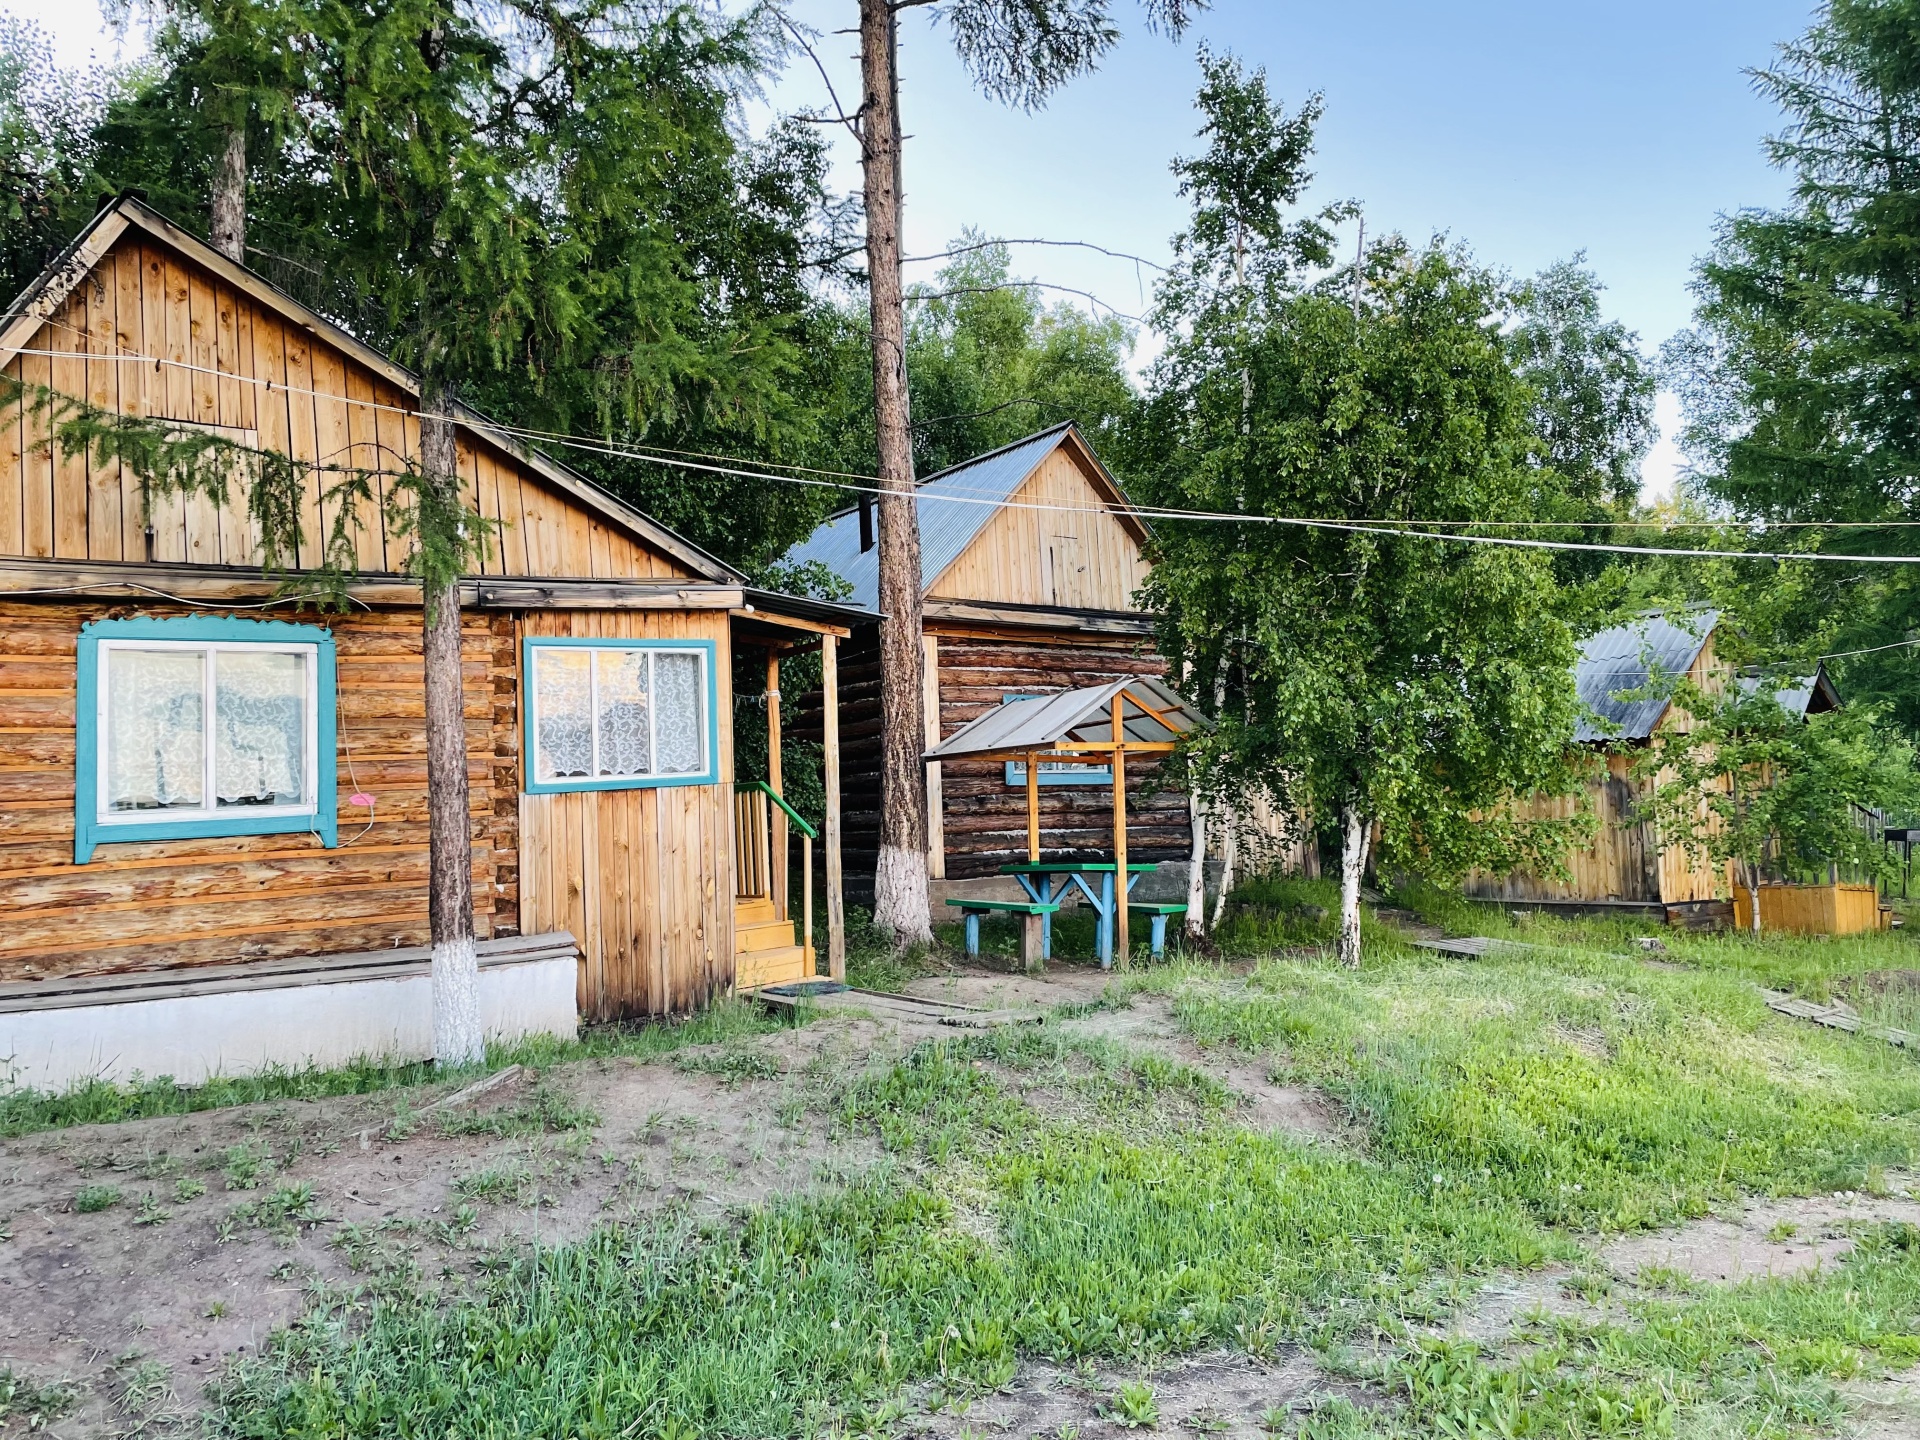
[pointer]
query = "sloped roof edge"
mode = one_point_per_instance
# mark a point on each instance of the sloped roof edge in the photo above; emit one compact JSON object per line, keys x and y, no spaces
{"x":37,"y":303}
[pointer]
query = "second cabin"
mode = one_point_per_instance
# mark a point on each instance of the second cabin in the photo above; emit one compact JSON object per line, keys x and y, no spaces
{"x":1031,"y":559}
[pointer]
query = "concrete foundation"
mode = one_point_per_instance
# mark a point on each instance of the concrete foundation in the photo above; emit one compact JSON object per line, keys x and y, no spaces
{"x":242,"y":1030}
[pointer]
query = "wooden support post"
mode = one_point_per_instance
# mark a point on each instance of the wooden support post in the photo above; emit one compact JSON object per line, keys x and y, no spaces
{"x":1033,"y":945}
{"x":1121,"y":940}
{"x":1033,"y":808}
{"x":936,"y":791}
{"x":777,"y":862}
{"x":830,"y":744}
{"x":806,"y":900}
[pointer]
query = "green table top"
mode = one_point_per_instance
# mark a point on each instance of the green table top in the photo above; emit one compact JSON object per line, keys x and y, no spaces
{"x":1067,"y":867}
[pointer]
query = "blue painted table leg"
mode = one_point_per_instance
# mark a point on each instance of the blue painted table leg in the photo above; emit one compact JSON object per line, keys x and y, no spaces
{"x":973,"y":934}
{"x":1106,"y":922}
{"x":1159,"y":935}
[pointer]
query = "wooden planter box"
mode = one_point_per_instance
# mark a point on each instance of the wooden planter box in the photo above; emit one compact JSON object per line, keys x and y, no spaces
{"x":1813,"y":909}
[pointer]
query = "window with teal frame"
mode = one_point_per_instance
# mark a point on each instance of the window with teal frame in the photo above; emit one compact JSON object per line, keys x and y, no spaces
{"x":194,"y":727}
{"x":619,"y":714}
{"x":1054,"y":772}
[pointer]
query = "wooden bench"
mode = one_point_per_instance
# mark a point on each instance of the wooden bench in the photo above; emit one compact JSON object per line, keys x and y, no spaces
{"x":1158,"y":914}
{"x":1032,"y":939}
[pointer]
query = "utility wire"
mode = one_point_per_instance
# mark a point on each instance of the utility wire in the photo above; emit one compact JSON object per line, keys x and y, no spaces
{"x":1391,"y":529}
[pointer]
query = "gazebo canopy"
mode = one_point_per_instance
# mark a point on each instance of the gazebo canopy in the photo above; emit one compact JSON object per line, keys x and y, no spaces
{"x":1152,"y":717}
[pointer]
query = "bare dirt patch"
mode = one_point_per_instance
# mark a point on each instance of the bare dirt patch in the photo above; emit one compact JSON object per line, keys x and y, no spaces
{"x":1770,"y":1237}
{"x":220,"y":1224}
{"x":1220,"y":1393}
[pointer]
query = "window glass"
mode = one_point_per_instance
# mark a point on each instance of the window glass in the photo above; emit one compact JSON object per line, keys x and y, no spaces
{"x":155,"y":731}
{"x":680,"y":728}
{"x":618,"y":713}
{"x":260,"y":727}
{"x":625,"y":748}
{"x":563,"y":681}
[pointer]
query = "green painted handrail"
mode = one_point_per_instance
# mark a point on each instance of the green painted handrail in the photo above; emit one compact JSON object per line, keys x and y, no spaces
{"x":774,"y":795}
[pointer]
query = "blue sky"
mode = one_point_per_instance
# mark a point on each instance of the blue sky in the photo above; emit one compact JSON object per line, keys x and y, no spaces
{"x":1527,"y":129}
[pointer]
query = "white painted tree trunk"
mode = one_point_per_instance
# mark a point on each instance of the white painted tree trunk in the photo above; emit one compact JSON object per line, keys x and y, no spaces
{"x":1229,"y":853}
{"x":1353,"y":865}
{"x":457,"y":1036}
{"x":901,"y":907}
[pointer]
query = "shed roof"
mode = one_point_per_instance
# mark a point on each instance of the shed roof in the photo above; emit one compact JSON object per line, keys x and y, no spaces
{"x":1151,"y":713}
{"x":1809,"y":695}
{"x":954,"y":507}
{"x":1624,"y":659}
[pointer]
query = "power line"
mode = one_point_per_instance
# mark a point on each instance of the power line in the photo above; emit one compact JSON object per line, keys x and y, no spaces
{"x":1391,"y":529}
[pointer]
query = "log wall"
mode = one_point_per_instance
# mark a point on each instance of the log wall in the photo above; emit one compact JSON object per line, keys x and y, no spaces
{"x":177,"y":903}
{"x":984,"y":820}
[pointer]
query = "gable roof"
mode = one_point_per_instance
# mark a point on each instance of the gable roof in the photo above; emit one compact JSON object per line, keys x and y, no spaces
{"x":38,"y":303}
{"x":1623,"y":659}
{"x":1808,"y":695}
{"x":954,"y":506}
{"x":1151,"y":712}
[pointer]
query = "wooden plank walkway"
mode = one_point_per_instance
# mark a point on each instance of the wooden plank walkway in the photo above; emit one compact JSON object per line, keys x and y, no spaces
{"x":911,"y":1008}
{"x":1838,"y":1017}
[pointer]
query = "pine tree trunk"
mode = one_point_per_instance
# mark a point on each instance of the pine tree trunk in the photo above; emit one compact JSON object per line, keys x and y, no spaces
{"x":900,"y":905}
{"x":229,"y":209}
{"x":457,"y":1036}
{"x":1353,"y":865}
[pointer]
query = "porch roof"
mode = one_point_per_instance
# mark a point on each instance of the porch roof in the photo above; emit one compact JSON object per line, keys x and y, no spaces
{"x":1151,"y":713}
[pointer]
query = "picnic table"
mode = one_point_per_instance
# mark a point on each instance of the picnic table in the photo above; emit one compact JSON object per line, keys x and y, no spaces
{"x":1048,"y":881}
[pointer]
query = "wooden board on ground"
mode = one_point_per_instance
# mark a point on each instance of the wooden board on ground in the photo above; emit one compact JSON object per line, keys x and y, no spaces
{"x":901,"y":1007}
{"x":1838,"y":1017}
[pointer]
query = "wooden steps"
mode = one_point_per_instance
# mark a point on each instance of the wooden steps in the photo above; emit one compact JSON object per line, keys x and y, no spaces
{"x":763,"y":948}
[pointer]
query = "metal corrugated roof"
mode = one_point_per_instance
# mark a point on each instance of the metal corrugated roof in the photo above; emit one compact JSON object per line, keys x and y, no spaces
{"x":954,"y":506}
{"x":1807,"y":695}
{"x":1624,"y":659}
{"x":1083,"y":715}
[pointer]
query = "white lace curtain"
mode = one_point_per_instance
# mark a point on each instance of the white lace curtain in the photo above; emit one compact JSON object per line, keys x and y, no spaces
{"x":620,"y":713}
{"x":156,"y":728}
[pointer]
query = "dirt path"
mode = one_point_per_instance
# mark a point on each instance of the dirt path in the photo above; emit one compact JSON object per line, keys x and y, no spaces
{"x":213,"y":1228}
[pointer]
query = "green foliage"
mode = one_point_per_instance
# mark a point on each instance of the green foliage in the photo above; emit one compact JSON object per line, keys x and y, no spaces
{"x":37,"y":1403}
{"x":1420,"y":685}
{"x":988,"y":363}
{"x":1593,"y":391}
{"x":1750,"y":781}
{"x":48,"y":122}
{"x":1798,"y":375}
{"x":94,"y":1198}
{"x":1134,"y":1406}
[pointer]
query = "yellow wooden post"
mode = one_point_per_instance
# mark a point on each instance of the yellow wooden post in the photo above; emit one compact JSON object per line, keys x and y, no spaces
{"x":776,"y":817}
{"x":1033,"y":807}
{"x":830,"y":744}
{"x":1121,"y":940}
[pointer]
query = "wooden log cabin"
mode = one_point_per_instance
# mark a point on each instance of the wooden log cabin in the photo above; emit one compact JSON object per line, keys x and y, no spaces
{"x":1031,"y":557}
{"x":1628,"y":868}
{"x":213,"y":841}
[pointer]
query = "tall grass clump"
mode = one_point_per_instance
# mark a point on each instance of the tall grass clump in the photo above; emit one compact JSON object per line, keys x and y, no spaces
{"x":1593,"y":1091}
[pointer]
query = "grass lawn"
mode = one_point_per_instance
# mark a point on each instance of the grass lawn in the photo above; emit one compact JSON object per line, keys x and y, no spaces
{"x":1060,"y":1195}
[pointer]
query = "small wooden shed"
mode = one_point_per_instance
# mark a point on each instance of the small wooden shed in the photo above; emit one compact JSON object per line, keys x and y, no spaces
{"x":1031,"y":560}
{"x":213,"y":839}
{"x":1628,"y":868}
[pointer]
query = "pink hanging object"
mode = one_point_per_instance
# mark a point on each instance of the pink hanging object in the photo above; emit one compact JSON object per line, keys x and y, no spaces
{"x":361,"y":798}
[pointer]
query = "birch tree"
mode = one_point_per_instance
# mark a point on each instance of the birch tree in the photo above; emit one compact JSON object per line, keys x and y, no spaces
{"x":1413,"y":691}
